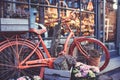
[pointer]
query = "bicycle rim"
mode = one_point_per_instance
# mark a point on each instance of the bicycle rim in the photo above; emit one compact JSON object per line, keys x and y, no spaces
{"x":87,"y":45}
{"x":11,"y":54}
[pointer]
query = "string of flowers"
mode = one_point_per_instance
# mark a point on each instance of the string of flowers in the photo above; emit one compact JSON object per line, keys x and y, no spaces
{"x":28,"y":78}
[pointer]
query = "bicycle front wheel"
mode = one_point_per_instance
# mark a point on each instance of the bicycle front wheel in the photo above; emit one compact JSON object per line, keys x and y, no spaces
{"x":12,"y":54}
{"x":90,"y":50}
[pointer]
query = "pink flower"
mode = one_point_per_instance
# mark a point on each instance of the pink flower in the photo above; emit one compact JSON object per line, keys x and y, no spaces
{"x":21,"y":78}
{"x":84,"y":73}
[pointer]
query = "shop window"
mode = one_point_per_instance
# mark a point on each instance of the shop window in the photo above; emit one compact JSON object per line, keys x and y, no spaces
{"x":87,"y":27}
{"x":84,"y":22}
{"x":15,"y":10}
{"x":110,"y":24}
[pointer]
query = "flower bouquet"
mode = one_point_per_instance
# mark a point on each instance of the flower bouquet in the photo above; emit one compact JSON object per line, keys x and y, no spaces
{"x":84,"y":72}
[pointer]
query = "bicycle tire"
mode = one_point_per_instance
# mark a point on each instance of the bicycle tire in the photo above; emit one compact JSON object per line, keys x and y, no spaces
{"x":12,"y":53}
{"x":105,"y":53}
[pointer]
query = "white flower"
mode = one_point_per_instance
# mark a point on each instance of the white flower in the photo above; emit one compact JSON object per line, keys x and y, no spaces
{"x":78,"y":75}
{"x":78,"y":64}
{"x":95,"y":69}
{"x":37,"y":78}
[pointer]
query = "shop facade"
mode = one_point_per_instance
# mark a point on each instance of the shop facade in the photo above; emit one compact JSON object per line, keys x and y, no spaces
{"x":95,"y":18}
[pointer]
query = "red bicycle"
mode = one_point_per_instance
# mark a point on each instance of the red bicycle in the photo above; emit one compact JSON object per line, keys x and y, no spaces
{"x":23,"y":56}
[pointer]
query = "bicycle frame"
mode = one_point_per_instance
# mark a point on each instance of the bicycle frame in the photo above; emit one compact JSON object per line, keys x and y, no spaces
{"x":47,"y":61}
{"x":44,"y":62}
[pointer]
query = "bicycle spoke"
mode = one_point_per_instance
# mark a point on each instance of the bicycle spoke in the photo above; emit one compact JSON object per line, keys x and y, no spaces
{"x":6,"y":59}
{"x":12,"y":54}
{"x":5,"y":72}
{"x":21,"y":48}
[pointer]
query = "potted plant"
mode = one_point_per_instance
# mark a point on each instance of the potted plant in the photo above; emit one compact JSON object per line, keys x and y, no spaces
{"x":95,"y":57}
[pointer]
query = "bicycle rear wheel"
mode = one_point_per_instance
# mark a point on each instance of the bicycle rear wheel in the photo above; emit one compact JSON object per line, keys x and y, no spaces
{"x":90,"y":47}
{"x":12,"y":54}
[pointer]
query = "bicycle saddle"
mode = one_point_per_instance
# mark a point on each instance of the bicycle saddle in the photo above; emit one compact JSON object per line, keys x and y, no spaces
{"x":38,"y":31}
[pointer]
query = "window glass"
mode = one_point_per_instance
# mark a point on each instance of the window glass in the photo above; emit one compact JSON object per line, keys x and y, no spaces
{"x":110,"y":21}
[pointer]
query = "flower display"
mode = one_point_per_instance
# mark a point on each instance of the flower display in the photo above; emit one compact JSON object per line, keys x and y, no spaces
{"x":28,"y":78}
{"x":82,"y":70}
{"x":24,"y":78}
{"x":37,"y":78}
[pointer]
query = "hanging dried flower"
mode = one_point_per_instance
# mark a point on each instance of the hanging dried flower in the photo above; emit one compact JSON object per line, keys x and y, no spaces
{"x":90,"y":6}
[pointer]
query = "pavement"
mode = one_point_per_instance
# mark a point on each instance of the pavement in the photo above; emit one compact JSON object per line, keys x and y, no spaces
{"x":112,"y":72}
{"x":116,"y":76}
{"x":111,"y":75}
{"x":113,"y":64}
